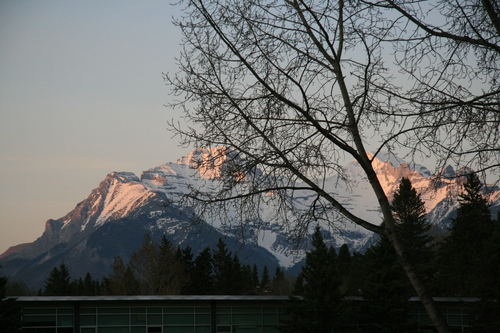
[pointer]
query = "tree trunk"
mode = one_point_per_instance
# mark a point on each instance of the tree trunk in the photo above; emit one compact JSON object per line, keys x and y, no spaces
{"x":415,"y":279}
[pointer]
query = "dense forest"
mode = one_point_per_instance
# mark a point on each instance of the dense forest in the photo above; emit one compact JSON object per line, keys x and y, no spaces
{"x":464,"y":262}
{"x":162,"y":269}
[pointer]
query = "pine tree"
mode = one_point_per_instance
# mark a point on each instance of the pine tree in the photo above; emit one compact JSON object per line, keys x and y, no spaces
{"x":298,"y":288}
{"x":383,"y":285}
{"x":122,"y":280}
{"x":320,"y":309}
{"x":466,"y":252}
{"x":144,"y":265}
{"x":265,"y":280}
{"x":409,"y":212}
{"x":169,"y":271}
{"x":413,"y":228}
{"x":279,"y":283}
{"x":85,"y":287}
{"x":10,"y":310}
{"x":377,"y":275}
{"x":58,"y":282}
{"x":255,"y":276}
{"x":344,"y":266}
{"x":223,"y":269}
{"x":202,"y":280}
{"x":186,"y":257}
{"x":248,"y":287}
{"x":470,"y":259}
{"x":89,"y":286}
{"x":238,"y":286}
{"x":344,"y":259}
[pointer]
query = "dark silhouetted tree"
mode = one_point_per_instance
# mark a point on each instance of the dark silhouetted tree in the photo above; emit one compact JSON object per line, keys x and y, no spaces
{"x":320,"y":309}
{"x":465,"y":252}
{"x":469,"y":257}
{"x":86,"y":286}
{"x":223,"y":269}
{"x":265,"y":279}
{"x":58,"y":282}
{"x":144,"y":265}
{"x":10,"y":310}
{"x":413,"y":228}
{"x":311,"y":82}
{"x":344,"y":267}
{"x":282,"y":284}
{"x":170,"y":269}
{"x":122,"y":280}
{"x":202,"y":280}
{"x":255,"y":276}
{"x":383,"y":285}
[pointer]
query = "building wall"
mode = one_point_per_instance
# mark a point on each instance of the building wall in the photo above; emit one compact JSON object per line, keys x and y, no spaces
{"x":153,"y":315}
{"x":191,"y":314}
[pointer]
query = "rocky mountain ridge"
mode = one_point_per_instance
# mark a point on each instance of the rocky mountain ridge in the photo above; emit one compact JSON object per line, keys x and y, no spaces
{"x":114,"y":217}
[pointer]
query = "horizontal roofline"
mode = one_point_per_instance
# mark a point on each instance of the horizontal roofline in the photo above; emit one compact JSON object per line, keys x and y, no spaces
{"x":203,"y":298}
{"x":151,"y":298}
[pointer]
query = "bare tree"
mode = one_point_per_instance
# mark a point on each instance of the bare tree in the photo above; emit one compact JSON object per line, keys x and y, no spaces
{"x":293,"y":87}
{"x":449,"y":52}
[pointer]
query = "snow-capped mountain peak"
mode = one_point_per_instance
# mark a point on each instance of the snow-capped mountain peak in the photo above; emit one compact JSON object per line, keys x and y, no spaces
{"x":209,"y":162}
{"x":123,"y":201}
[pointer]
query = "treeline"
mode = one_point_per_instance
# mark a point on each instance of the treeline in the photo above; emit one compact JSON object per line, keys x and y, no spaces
{"x":463,"y":263}
{"x":162,"y":269}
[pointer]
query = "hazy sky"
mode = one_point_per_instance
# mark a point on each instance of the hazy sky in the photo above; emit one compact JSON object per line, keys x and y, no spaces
{"x":81,"y":95}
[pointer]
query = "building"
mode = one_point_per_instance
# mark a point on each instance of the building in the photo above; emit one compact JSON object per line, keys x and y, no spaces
{"x":192,"y":314}
{"x":152,"y":314}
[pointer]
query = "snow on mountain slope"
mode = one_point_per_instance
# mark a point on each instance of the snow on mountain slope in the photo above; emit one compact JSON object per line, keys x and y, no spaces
{"x":122,"y":196}
{"x":440,"y":198}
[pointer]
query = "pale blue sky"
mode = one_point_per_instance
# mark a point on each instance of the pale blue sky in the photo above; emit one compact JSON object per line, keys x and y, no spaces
{"x":81,"y":95}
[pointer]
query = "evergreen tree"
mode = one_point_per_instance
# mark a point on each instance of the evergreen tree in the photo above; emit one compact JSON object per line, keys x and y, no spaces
{"x":186,"y":256}
{"x":265,"y":280}
{"x":86,"y":286}
{"x":466,"y":252}
{"x":248,"y":286}
{"x":152,"y":270}
{"x":283,"y":284}
{"x":344,"y":266}
{"x":10,"y":310}
{"x":239,"y":286}
{"x":77,"y":287}
{"x":144,"y":265}
{"x":280,"y":284}
{"x":279,"y":275}
{"x":377,"y":275}
{"x":90,"y":286}
{"x":202,"y":280}
{"x":58,"y":282}
{"x":470,"y":256}
{"x":298,"y":288}
{"x":255,"y":276}
{"x":169,"y":272}
{"x":320,"y":309}
{"x":413,"y":228}
{"x":122,"y":280}
{"x":223,"y":269}
{"x":383,"y":285}
{"x":344,"y":259}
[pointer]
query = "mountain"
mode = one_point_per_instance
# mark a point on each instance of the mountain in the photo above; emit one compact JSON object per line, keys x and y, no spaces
{"x":117,"y":214}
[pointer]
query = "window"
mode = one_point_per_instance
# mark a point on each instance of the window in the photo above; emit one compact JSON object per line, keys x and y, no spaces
{"x":48,"y":320}
{"x":249,"y":319}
